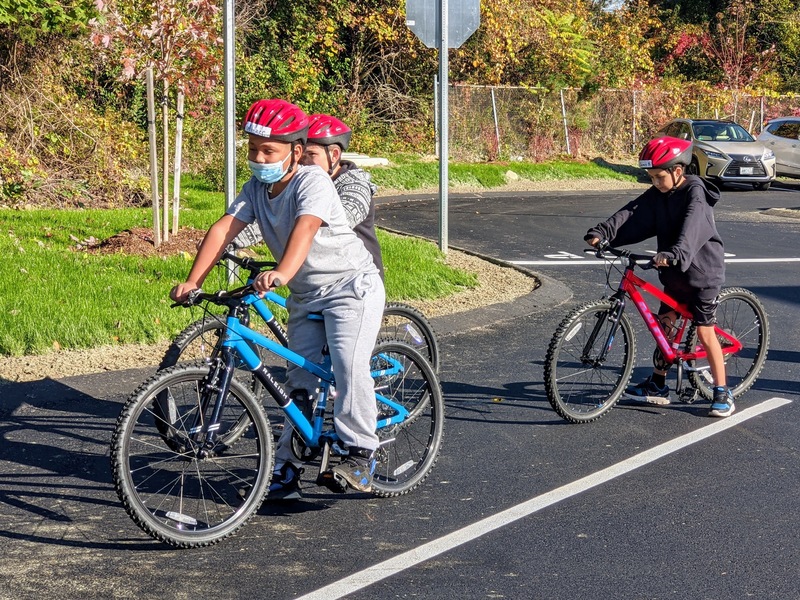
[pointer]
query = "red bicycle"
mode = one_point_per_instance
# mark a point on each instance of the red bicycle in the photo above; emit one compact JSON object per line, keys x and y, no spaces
{"x":592,"y":353}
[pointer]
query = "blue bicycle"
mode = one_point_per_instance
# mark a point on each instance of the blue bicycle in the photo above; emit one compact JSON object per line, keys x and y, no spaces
{"x":192,"y":449}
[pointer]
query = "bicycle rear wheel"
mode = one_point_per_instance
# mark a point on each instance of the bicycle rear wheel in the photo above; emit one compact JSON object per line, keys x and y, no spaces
{"x":408,"y":449}
{"x":581,"y":386}
{"x":740,"y":313}
{"x":184,"y":490}
{"x":406,"y":324}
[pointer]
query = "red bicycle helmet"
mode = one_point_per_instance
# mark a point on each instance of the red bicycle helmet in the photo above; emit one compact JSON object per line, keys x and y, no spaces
{"x":277,"y":120}
{"x":326,"y":130}
{"x":665,"y":153}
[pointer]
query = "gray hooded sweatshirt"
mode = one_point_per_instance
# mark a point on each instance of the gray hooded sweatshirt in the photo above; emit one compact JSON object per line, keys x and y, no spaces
{"x":682,"y":222}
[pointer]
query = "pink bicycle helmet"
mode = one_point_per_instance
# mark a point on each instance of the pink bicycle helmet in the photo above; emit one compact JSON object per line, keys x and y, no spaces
{"x":665,"y":153}
{"x":277,"y":120}
{"x":326,"y":130}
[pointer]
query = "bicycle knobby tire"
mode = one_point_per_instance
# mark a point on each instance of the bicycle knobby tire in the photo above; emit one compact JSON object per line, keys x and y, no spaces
{"x":741,"y":313}
{"x":582,"y":377}
{"x":180,"y":487}
{"x":406,"y":324}
{"x":408,"y":450}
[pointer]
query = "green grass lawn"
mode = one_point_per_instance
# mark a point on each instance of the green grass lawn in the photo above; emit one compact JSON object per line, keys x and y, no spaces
{"x":55,"y":296}
{"x":409,"y":173}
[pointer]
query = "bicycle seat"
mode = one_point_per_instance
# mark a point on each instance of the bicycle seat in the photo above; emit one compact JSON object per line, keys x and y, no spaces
{"x":316,"y":316}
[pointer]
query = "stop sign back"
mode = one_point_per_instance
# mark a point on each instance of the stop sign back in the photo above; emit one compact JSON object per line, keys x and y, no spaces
{"x":463,"y":19}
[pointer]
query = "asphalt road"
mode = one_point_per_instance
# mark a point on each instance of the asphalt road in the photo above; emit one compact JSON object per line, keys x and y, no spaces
{"x":647,"y":503}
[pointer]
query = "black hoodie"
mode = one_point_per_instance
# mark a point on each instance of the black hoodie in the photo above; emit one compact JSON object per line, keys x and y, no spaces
{"x":682,"y":221}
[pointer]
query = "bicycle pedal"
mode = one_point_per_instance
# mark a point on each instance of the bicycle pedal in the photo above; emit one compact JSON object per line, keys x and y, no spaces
{"x":333,"y":481}
{"x":689,"y":396}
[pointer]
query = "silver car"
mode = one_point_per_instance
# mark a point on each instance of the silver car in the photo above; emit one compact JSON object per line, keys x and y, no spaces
{"x":782,"y":136}
{"x":724,"y":151}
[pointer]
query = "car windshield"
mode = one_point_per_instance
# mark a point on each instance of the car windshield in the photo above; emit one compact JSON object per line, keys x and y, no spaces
{"x":720,"y":132}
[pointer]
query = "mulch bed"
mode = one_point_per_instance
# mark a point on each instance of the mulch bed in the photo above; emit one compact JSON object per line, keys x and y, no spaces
{"x":139,"y":242}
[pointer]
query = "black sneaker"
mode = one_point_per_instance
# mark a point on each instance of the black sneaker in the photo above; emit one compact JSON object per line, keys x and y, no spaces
{"x":355,"y":471}
{"x":722,"y":405}
{"x":649,"y":392}
{"x":285,"y":484}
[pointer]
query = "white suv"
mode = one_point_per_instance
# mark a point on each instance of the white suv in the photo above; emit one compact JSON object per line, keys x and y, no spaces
{"x":782,"y":136}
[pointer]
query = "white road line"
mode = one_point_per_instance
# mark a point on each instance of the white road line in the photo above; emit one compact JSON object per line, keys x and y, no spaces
{"x":415,"y":556}
{"x":582,"y":262}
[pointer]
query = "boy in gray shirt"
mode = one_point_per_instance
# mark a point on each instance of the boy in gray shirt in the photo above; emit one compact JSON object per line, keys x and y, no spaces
{"x":327,"y":269}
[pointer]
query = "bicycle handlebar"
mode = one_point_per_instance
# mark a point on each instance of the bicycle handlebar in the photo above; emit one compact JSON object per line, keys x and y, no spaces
{"x":646,"y":260}
{"x":221,"y":297}
{"x":254,"y":266}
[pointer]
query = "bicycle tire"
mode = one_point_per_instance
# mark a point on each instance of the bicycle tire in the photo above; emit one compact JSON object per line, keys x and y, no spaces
{"x":406,"y":324}
{"x":175,"y":494}
{"x":739,"y":312}
{"x":409,"y":449}
{"x":578,"y":390}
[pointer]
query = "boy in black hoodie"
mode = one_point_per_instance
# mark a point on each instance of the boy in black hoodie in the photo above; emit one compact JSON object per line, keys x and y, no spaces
{"x":678,"y":210}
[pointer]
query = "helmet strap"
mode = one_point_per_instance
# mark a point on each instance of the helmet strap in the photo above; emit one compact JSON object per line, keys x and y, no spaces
{"x":675,"y":183}
{"x":291,"y":153}
{"x":332,"y":166}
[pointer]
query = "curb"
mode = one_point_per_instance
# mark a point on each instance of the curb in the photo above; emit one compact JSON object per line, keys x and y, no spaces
{"x":549,"y":294}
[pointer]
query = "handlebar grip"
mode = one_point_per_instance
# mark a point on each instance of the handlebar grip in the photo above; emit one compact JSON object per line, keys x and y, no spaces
{"x":276,"y":282}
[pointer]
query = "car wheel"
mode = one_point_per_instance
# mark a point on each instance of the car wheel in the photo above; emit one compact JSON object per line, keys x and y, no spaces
{"x":693,"y":168}
{"x":763,"y":187}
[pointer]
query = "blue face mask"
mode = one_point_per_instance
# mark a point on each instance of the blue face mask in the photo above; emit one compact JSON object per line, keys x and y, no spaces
{"x":268,"y":172}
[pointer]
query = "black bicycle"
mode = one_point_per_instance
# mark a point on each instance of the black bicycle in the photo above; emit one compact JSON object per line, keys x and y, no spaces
{"x":401,"y":322}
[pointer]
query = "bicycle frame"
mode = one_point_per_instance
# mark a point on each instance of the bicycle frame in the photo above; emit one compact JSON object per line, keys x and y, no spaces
{"x":237,"y":342}
{"x":630,"y":286}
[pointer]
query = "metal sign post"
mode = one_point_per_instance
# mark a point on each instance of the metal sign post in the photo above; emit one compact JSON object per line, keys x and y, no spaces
{"x":442,"y":24}
{"x":444,"y":127}
{"x":228,"y":77}
{"x":229,"y":46}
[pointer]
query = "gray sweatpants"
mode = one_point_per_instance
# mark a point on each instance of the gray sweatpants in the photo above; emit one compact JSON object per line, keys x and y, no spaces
{"x":352,"y":318}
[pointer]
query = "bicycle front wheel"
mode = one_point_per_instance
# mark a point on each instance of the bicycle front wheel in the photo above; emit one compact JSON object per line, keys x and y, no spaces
{"x":186,"y":489}
{"x":741,"y":314}
{"x":408,"y":449}
{"x":199,"y":341}
{"x":406,"y":324}
{"x":589,"y":362}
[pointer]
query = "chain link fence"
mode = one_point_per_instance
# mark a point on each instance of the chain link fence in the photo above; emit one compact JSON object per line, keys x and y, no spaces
{"x":517,"y":123}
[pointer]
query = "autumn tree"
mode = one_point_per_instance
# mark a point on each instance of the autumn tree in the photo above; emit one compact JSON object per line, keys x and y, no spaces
{"x":732,"y":47}
{"x":179,"y":40}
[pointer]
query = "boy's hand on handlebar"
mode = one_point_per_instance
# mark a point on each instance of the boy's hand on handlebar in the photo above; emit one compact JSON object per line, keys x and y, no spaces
{"x":596,"y":242}
{"x":180,"y":293}
{"x":268,"y":280}
{"x":664,"y":259}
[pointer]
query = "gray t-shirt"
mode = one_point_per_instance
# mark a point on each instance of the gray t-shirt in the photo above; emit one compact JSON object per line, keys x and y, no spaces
{"x":336,"y":254}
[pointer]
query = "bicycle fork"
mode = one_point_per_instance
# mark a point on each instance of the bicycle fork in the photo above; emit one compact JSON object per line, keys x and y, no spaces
{"x":218,"y":382}
{"x":613,"y":316}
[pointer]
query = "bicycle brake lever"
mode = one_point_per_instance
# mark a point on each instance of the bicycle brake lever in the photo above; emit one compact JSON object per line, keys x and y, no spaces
{"x":191,"y":299}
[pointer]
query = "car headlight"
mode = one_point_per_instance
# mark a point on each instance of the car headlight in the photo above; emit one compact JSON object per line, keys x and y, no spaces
{"x":768,"y":154}
{"x":712,"y":154}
